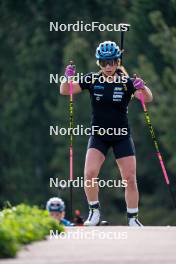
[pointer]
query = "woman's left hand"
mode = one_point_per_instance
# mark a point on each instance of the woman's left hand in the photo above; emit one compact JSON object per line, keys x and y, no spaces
{"x":140,"y":86}
{"x":138,"y":83}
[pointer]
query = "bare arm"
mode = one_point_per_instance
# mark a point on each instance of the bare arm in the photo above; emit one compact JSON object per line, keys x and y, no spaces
{"x":65,"y":88}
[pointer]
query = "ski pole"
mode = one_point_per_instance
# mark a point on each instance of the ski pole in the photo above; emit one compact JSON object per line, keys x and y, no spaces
{"x":121,"y":45}
{"x":122,"y":35}
{"x":71,"y":147}
{"x":158,"y":153}
{"x":152,"y":132}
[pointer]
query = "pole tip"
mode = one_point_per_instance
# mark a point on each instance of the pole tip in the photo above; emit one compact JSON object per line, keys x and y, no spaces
{"x":134,"y":75}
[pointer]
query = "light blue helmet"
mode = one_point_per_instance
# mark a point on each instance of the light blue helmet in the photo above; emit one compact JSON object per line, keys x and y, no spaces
{"x":108,"y":50}
{"x":55,"y":204}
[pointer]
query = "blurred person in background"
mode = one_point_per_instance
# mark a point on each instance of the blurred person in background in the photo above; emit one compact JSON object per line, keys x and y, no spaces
{"x":56,"y":208}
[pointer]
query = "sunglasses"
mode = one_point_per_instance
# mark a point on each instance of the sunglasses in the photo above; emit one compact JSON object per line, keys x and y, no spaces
{"x":55,"y":204}
{"x":104,"y":63}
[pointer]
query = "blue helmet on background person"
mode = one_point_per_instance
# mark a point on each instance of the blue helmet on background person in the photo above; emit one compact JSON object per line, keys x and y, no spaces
{"x":55,"y":204}
{"x":108,"y":50}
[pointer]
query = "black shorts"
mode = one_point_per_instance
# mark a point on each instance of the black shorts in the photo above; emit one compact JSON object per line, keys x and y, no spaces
{"x":121,"y":148}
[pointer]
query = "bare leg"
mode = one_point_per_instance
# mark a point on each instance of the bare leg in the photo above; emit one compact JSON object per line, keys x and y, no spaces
{"x":93,"y":163}
{"x":127,"y":167}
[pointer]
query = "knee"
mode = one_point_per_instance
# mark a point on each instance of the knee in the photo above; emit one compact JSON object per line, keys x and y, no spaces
{"x":90,"y":173}
{"x":130,"y":177}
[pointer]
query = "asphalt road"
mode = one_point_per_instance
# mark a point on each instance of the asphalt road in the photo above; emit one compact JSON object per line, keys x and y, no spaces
{"x":109,"y":244}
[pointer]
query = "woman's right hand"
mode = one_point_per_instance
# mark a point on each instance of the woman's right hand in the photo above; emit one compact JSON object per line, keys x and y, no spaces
{"x":70,"y":71}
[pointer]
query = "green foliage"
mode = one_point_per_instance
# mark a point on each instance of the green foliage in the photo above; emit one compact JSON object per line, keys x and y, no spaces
{"x":22,"y":225}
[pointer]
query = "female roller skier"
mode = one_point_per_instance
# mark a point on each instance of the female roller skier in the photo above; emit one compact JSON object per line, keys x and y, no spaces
{"x":109,"y":100}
